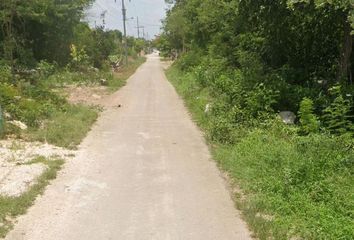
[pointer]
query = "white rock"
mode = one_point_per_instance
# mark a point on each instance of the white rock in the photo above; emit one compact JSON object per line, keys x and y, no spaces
{"x":7,"y":115}
{"x":96,"y":96}
{"x":20,"y":178}
{"x":18,"y":124}
{"x":207,"y":108}
{"x":103,"y":82}
{"x":288,"y":117}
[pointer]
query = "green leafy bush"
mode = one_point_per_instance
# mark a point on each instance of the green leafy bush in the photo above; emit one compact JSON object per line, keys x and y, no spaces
{"x":27,"y":103}
{"x":259,"y":102}
{"x":336,"y":117}
{"x":189,"y":60}
{"x":79,"y":57}
{"x":46,"y":69}
{"x":309,"y":122}
{"x":5,"y":73}
{"x":7,"y":93}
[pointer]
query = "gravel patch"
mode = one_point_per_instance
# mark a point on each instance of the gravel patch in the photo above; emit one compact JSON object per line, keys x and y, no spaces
{"x":17,"y":173}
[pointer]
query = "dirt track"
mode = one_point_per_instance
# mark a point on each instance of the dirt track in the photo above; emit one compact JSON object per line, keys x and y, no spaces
{"x":144,"y":172}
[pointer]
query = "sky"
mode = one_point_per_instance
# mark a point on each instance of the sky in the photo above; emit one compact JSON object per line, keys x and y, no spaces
{"x":149,"y":12}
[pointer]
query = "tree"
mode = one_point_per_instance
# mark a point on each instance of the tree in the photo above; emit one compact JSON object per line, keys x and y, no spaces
{"x":39,"y":29}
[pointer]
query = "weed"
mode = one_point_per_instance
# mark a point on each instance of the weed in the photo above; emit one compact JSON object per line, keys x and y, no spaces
{"x":66,"y":128}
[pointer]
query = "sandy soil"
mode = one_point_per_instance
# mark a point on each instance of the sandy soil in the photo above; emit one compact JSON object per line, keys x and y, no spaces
{"x":89,"y":95}
{"x":15,"y":174}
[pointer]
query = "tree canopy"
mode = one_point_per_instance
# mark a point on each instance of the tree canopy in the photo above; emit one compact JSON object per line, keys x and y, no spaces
{"x":306,"y":44}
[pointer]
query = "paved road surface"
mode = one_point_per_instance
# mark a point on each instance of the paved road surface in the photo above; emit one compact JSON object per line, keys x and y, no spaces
{"x":143,"y":173}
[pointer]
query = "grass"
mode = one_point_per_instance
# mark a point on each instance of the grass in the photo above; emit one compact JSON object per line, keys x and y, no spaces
{"x":10,"y":207}
{"x":119,"y":78}
{"x":290,"y":186}
{"x":66,"y":128}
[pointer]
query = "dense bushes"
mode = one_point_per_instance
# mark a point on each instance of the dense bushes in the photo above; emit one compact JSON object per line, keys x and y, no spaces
{"x":28,"y":104}
{"x":248,"y":96}
{"x":296,"y":49}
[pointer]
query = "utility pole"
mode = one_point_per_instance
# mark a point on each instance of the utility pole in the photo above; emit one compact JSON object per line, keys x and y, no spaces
{"x":137,"y":26}
{"x":124,"y":11}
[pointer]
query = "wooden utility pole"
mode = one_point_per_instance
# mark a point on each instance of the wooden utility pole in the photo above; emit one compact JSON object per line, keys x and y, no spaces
{"x":125,"y":42}
{"x":137,"y":26}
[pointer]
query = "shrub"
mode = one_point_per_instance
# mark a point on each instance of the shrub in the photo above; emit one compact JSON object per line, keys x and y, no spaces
{"x":221,"y":123}
{"x":46,"y":69}
{"x":336,"y":116}
{"x":251,"y":68}
{"x":7,"y":93}
{"x":5,"y":73}
{"x":308,"y":120}
{"x":79,"y":57}
{"x":259,"y":102}
{"x":189,"y":60}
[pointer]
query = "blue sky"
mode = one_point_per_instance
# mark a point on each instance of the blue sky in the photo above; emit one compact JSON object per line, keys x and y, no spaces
{"x":150,"y":13}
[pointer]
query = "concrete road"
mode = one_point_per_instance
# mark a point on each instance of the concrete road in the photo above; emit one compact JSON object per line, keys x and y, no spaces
{"x":143,"y":173}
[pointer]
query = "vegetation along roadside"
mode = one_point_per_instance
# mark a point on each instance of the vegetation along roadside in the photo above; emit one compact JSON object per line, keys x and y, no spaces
{"x":239,"y":75}
{"x":46,"y":47}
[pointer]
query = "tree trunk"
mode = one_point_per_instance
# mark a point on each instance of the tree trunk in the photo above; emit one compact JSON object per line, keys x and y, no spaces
{"x":345,"y":57}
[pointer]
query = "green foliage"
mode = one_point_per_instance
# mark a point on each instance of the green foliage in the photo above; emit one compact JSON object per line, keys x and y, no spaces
{"x":79,"y":57}
{"x":46,"y":69}
{"x":27,"y":103}
{"x":255,"y":58}
{"x":337,"y":116}
{"x":259,"y":102}
{"x":7,"y":94}
{"x":5,"y":73}
{"x":291,"y":186}
{"x":308,"y":120}
{"x":39,"y":29}
{"x":301,"y":184}
{"x":303,"y":44}
{"x":189,"y":60}
{"x":68,"y":127}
